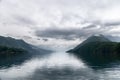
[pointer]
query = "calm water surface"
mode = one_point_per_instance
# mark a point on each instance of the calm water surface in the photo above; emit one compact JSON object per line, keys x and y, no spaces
{"x":58,"y":66}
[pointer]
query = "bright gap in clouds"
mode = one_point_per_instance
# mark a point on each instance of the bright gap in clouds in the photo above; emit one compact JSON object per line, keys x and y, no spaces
{"x":59,"y":23}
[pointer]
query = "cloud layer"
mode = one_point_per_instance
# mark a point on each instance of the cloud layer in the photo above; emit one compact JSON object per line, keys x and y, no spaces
{"x":42,"y":20}
{"x":67,"y":34}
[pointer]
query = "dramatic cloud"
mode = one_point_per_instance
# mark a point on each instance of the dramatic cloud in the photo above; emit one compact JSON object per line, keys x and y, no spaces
{"x":71,"y":34}
{"x":45,"y":39}
{"x":112,"y":24}
{"x":64,"y":20}
{"x":60,"y":34}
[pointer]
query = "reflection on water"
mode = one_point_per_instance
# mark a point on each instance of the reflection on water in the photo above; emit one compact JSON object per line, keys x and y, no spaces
{"x":58,"y":66}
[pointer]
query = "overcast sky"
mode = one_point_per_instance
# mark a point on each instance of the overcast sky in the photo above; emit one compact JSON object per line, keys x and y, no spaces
{"x":61,"y":23}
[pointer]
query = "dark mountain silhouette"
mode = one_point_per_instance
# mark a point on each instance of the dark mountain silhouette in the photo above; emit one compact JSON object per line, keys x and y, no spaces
{"x":14,"y":51}
{"x":16,"y":43}
{"x":94,"y":38}
{"x":97,"y":51}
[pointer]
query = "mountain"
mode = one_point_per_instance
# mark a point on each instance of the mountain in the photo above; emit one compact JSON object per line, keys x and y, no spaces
{"x":11,"y":42}
{"x":97,"y":50}
{"x":94,"y":38}
{"x":18,"y":43}
{"x":15,"y":51}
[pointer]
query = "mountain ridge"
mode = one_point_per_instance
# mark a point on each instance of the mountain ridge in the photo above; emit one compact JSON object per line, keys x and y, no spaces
{"x":19,"y":43}
{"x":93,"y":38}
{"x":98,"y":52}
{"x":15,"y":51}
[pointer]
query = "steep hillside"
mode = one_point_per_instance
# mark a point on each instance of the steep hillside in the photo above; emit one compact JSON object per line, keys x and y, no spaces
{"x":14,"y":51}
{"x":97,"y":51}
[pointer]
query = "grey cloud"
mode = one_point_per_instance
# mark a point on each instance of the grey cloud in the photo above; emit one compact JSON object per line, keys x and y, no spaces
{"x":45,"y":39}
{"x":67,"y":34}
{"x":24,"y":20}
{"x":38,"y":39}
{"x":56,"y":33}
{"x":70,"y":11}
{"x":90,"y":26}
{"x":112,"y":23}
{"x":27,"y":37}
{"x":105,"y":25}
{"x":71,"y":34}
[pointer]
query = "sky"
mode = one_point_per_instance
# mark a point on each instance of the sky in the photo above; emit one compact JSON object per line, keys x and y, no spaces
{"x":59,"y":24}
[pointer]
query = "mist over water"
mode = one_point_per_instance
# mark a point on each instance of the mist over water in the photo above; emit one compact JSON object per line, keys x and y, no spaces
{"x":57,"y":66}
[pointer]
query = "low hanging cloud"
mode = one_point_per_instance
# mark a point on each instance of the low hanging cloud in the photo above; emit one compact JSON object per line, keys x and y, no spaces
{"x":117,"y":23}
{"x":80,"y":33}
{"x":58,"y":34}
{"x":69,"y":18}
{"x":90,"y":26}
{"x":69,"y":34}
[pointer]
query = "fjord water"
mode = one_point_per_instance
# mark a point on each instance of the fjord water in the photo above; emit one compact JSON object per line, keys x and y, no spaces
{"x":58,"y":66}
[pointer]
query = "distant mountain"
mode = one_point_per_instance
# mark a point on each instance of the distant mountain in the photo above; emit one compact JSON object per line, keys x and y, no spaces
{"x":16,"y":43}
{"x":15,"y":51}
{"x":97,"y":50}
{"x":11,"y":42}
{"x":94,"y":38}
